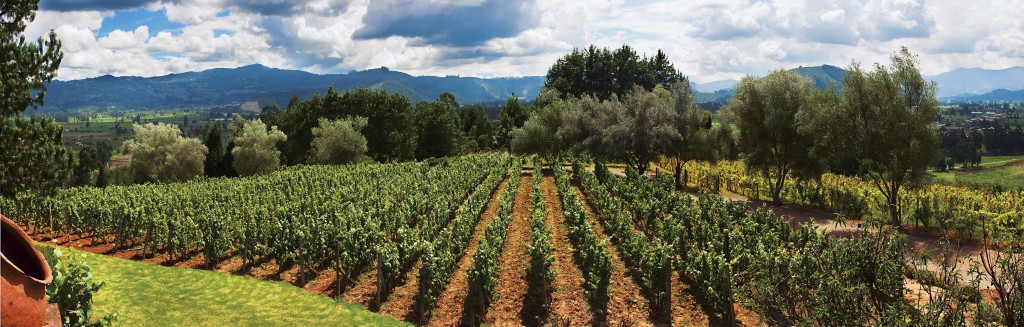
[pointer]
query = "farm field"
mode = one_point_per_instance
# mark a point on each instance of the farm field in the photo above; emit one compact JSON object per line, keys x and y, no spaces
{"x":1005,"y":171}
{"x":151,"y":295}
{"x":474,"y":239}
{"x":104,"y":128}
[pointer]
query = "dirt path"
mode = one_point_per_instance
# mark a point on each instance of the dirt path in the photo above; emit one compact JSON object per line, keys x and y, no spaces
{"x":364,"y":292}
{"x":402,"y":303}
{"x":507,"y":310}
{"x":626,"y":303}
{"x":569,"y":303}
{"x":450,"y":304}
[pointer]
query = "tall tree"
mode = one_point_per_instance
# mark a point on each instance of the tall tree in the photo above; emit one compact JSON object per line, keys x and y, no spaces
{"x":390,"y":123}
{"x":766,"y":112}
{"x":160,"y":154}
{"x":33,"y":158}
{"x":27,"y":66}
{"x":511,"y":116}
{"x":256,"y":150}
{"x":476,"y":128}
{"x":88,"y":161}
{"x":693,"y":125}
{"x":438,"y":126}
{"x":602,"y":73}
{"x":887,"y":117}
{"x":215,"y":155}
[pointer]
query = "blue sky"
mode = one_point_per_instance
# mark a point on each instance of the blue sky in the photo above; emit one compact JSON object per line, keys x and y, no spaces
{"x":706,"y":39}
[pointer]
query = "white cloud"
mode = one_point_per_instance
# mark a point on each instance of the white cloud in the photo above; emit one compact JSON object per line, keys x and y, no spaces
{"x":706,"y":39}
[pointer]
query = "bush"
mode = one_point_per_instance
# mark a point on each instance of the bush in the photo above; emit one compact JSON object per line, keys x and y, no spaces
{"x":73,"y":288}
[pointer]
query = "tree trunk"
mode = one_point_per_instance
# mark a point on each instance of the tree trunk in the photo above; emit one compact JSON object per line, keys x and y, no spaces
{"x":679,"y":170}
{"x":894,"y":207}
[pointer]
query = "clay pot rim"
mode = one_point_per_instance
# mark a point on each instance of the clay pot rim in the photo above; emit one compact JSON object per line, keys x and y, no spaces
{"x":25,"y":240}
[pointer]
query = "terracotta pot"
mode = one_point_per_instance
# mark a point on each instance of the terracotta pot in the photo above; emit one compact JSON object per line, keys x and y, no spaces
{"x":25,"y":276}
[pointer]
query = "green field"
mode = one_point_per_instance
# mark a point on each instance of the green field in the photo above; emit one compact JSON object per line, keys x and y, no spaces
{"x":151,"y":295}
{"x":101,"y":127}
{"x":1005,"y":171}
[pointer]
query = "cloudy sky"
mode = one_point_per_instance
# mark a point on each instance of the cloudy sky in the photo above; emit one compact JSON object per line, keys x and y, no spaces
{"x":707,"y":39}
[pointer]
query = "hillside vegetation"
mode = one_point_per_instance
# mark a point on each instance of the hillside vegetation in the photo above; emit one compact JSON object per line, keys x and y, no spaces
{"x":234,"y":86}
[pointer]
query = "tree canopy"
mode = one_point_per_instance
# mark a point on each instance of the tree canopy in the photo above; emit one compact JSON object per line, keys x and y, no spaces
{"x":886,"y":117}
{"x":255,"y":150}
{"x":27,"y":66}
{"x":602,"y":72}
{"x":160,"y":154}
{"x":766,"y":111}
{"x":33,"y":158}
{"x":338,"y":141}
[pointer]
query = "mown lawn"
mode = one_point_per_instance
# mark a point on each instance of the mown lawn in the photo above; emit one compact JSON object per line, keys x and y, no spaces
{"x":151,"y":295}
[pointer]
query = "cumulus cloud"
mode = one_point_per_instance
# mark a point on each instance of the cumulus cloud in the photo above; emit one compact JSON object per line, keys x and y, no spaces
{"x":706,"y":39}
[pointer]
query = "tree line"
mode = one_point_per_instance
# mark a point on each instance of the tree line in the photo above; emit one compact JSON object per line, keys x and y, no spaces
{"x":880,"y":126}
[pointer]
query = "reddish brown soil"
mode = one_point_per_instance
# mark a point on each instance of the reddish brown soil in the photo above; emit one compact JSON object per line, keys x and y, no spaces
{"x":569,"y":303}
{"x":364,"y":292}
{"x":450,"y":304}
{"x":401,"y":303}
{"x":626,"y":304}
{"x":508,"y":309}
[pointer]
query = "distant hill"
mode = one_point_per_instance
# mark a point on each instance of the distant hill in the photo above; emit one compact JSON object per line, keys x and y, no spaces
{"x":997,"y":95}
{"x":824,"y":76}
{"x":978,"y":81}
{"x":711,"y":87}
{"x":235,"y":86}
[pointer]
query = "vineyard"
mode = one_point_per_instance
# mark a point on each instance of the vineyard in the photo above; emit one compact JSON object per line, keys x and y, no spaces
{"x":508,"y":240}
{"x":952,"y":209}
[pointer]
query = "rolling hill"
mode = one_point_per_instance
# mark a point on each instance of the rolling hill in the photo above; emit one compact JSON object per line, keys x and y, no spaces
{"x":978,"y":81}
{"x":234,"y":86}
{"x":997,"y":95}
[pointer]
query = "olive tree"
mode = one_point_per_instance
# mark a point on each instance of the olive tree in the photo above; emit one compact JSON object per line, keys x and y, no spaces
{"x":160,"y":154}
{"x":338,"y":141}
{"x":887,"y":118}
{"x":638,"y":128}
{"x":693,"y":124}
{"x":766,"y":112}
{"x":255,"y":149}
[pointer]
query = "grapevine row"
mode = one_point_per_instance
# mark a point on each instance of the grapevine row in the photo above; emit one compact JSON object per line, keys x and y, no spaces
{"x":313,"y":216}
{"x":649,"y":259}
{"x":483,"y":276}
{"x":539,"y":272}
{"x":791,"y":276}
{"x":594,"y":261}
{"x":441,"y":256}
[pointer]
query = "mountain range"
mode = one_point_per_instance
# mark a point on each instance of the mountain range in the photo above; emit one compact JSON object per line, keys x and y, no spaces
{"x":234,"y":86}
{"x":961,"y":85}
{"x":223,"y":87}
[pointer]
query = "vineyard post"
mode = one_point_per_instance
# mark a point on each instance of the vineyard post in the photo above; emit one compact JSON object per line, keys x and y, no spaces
{"x":730,"y":312}
{"x":149,"y":233}
{"x":380,"y":281}
{"x":337,"y":269}
{"x":668,"y":289}
{"x":302,"y":261}
{"x":170,"y":239}
{"x":424,"y":278}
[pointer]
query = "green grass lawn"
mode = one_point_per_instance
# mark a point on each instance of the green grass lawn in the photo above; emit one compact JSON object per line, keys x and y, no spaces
{"x":151,"y":295}
{"x":1005,"y":171}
